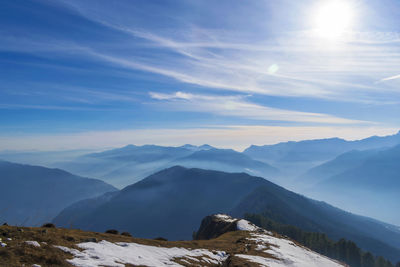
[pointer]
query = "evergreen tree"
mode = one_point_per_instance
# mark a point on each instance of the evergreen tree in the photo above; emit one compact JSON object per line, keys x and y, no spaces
{"x":368,"y":260}
{"x":354,"y":254}
{"x":380,"y":262}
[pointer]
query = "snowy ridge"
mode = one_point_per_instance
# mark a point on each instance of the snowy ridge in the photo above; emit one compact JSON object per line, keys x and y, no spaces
{"x":288,"y":253}
{"x":284,"y":251}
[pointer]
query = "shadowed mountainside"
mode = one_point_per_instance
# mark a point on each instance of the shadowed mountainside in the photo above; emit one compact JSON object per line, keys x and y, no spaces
{"x":32,"y":195}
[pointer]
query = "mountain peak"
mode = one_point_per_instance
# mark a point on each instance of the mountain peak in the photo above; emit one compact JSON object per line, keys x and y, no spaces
{"x":206,"y":146}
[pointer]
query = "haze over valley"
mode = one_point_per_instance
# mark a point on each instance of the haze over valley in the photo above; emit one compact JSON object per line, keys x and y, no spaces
{"x":200,"y":133}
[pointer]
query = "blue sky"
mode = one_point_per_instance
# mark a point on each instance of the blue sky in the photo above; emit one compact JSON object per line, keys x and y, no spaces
{"x":92,"y":74}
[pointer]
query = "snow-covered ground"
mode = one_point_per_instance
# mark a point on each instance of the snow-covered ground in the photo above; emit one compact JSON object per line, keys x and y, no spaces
{"x":288,"y":253}
{"x":244,"y":225}
{"x":110,"y":254}
{"x":285,"y":253}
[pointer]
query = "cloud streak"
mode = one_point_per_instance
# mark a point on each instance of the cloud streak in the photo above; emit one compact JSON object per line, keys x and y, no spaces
{"x":238,"y":106}
{"x":308,"y":67}
{"x":391,"y":78}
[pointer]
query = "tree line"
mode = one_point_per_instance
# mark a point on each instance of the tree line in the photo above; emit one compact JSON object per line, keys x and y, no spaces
{"x":343,"y":250}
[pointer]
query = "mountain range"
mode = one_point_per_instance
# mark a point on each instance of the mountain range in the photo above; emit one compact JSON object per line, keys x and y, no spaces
{"x":297,"y":157}
{"x":124,"y":166}
{"x":171,"y":202}
{"x":358,"y":176}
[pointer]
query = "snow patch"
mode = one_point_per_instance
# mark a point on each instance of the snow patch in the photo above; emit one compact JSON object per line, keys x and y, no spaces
{"x":3,"y":244}
{"x":36,"y":265}
{"x":33,"y":243}
{"x":110,"y":254}
{"x":288,"y":253}
{"x":244,"y":225}
{"x":225,"y":217}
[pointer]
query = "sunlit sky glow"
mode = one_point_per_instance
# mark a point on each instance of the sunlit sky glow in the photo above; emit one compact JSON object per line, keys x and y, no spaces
{"x":119,"y":72}
{"x":333,"y":18}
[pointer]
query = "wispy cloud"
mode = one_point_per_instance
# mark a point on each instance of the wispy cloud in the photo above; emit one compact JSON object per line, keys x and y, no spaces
{"x":307,"y":67}
{"x":238,"y":106}
{"x":391,"y":78}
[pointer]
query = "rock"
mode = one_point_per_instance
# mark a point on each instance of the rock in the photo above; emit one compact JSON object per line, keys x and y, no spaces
{"x":214,"y":226}
{"x":126,"y":234}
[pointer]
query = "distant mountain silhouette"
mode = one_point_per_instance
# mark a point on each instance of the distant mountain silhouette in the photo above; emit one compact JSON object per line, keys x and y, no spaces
{"x":32,"y":195}
{"x":142,"y":154}
{"x":170,"y":203}
{"x":126,"y":165}
{"x":227,"y":160}
{"x":336,"y":166}
{"x":366,"y":181}
{"x":129,"y":164}
{"x":197,"y":148}
{"x":299,"y":156}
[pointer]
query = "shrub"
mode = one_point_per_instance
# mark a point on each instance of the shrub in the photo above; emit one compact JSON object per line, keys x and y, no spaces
{"x":49,"y":225}
{"x":112,"y":231}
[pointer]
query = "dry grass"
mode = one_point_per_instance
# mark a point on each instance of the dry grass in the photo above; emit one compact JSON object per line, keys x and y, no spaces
{"x":18,"y":253}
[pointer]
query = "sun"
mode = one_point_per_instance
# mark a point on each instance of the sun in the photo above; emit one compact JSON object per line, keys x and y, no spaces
{"x":333,"y":18}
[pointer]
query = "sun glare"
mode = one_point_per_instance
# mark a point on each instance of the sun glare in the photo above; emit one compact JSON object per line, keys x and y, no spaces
{"x":333,"y":18}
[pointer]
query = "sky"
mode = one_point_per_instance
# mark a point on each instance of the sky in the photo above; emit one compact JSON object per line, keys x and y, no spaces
{"x":230,"y":73}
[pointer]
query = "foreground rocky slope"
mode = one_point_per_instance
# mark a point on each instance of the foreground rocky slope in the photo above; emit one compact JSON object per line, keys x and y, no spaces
{"x":237,"y":243}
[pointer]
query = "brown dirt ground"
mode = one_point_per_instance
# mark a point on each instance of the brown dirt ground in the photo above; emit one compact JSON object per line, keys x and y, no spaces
{"x":18,"y":253}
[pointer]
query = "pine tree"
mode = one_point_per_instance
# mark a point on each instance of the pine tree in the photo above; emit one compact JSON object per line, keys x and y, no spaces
{"x":380,"y":262}
{"x":368,"y":260}
{"x":354,"y":254}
